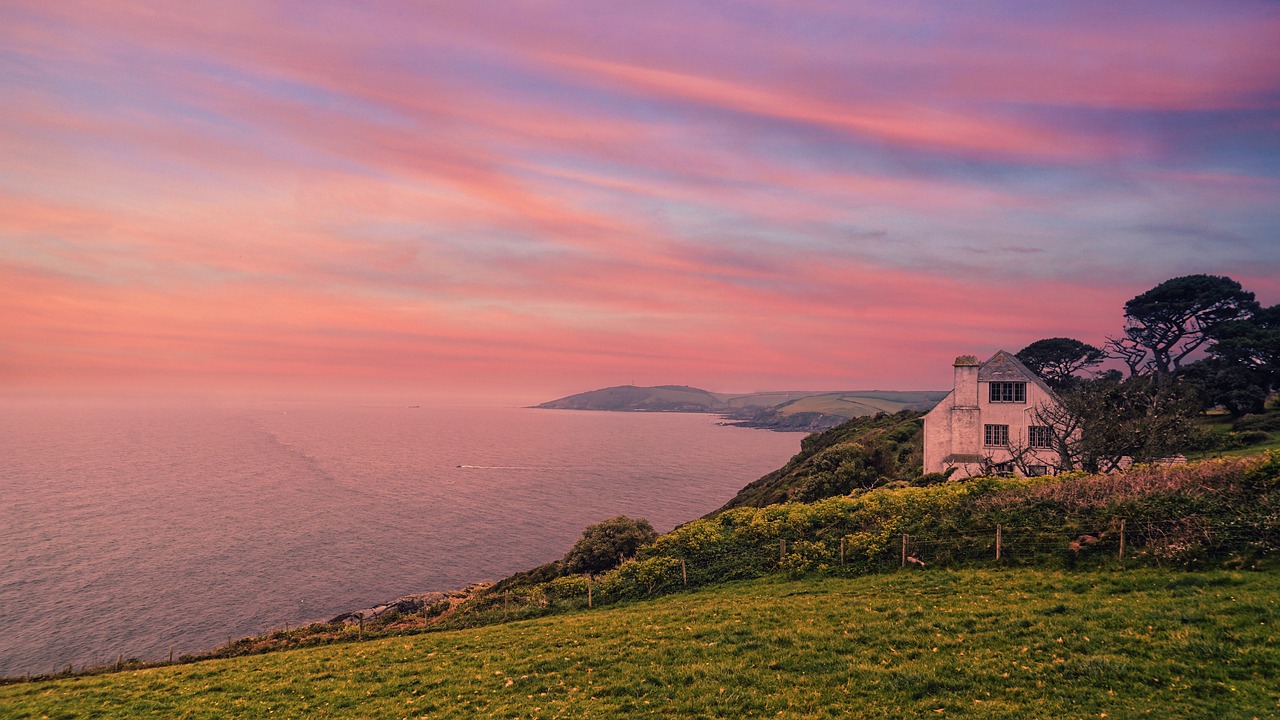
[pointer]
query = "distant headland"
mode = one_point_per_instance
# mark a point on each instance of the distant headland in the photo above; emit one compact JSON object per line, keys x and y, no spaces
{"x":794,"y":411}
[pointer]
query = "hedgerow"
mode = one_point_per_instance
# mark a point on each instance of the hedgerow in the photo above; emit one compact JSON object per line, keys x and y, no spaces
{"x":1222,"y":510}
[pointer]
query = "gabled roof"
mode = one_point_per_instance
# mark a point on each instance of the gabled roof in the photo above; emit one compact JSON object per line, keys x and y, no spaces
{"x":1005,"y":367}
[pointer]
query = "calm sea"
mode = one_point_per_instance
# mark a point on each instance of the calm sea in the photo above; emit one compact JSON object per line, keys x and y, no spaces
{"x":134,"y":530}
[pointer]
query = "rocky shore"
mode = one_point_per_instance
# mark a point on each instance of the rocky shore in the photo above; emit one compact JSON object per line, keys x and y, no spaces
{"x":428,"y":604}
{"x":806,"y":422}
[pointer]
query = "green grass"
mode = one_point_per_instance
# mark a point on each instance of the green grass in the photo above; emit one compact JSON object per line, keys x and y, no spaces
{"x":975,"y":643}
{"x":1271,"y":444}
{"x":1221,"y":428}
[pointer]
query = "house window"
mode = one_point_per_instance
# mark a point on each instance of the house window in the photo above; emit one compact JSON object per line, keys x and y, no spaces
{"x":1037,"y":470}
{"x":1038,"y":436}
{"x":995,"y":435}
{"x":1008,"y":392}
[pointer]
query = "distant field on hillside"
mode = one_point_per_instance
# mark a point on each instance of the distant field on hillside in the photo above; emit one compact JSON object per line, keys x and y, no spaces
{"x":851,"y":405}
{"x":763,"y":399}
{"x":912,"y":644}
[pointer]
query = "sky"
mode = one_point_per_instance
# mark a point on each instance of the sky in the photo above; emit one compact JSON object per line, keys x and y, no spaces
{"x":513,"y":201}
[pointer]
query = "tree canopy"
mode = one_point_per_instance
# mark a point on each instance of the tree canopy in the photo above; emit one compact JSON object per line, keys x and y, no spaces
{"x":1057,"y":360}
{"x":604,"y":545}
{"x":1104,"y":422}
{"x":1243,"y":366}
{"x":1170,"y":321}
{"x":1253,"y":342}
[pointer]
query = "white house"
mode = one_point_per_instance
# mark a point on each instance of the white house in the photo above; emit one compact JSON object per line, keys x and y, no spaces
{"x":988,"y":419}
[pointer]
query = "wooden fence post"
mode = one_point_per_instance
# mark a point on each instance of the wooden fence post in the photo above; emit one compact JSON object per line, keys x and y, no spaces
{"x":841,"y":551}
{"x":119,"y":661}
{"x":999,"y":531}
{"x":782,"y":549}
{"x":506,"y":604}
{"x":904,"y":550}
{"x":361,"y":635}
{"x":170,"y":654}
{"x":1122,"y":522}
{"x":589,"y":599}
{"x":684,"y":572}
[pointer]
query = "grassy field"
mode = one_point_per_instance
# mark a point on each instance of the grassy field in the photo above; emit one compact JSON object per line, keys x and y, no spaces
{"x":1254,"y":433}
{"x":976,"y":643}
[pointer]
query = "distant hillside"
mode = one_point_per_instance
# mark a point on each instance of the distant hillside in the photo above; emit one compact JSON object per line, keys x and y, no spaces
{"x":630,"y":398}
{"x":805,"y":411}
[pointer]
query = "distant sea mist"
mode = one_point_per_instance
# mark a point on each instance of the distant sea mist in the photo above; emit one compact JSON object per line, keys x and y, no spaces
{"x":136,"y":530}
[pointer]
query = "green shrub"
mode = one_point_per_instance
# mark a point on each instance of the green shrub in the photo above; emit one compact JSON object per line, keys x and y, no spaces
{"x":606,"y":544}
{"x":933,"y":478}
{"x":857,"y":454}
{"x":640,"y":578}
{"x":1269,"y":422}
{"x":805,"y":556}
{"x":1265,"y":474}
{"x":1253,"y":437}
{"x":566,"y":587}
{"x":844,"y":468}
{"x":1231,"y":440}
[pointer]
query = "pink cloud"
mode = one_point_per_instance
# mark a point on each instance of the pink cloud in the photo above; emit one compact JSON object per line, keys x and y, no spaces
{"x":899,"y":123}
{"x":225,"y":196}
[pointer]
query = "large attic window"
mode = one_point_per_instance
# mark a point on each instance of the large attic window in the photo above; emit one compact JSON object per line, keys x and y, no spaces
{"x":1008,"y":392}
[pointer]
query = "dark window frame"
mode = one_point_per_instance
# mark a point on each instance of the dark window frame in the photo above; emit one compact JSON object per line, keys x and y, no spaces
{"x":1007,"y":392}
{"x":1039,"y":436}
{"x":995,"y":435}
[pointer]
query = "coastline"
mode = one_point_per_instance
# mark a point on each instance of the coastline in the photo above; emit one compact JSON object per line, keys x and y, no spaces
{"x":768,"y":419}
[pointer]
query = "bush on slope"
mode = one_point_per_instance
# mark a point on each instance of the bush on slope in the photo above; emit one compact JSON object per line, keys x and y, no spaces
{"x":862,"y":453}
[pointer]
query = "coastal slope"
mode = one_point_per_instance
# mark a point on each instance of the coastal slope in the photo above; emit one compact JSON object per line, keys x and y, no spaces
{"x":989,"y":643}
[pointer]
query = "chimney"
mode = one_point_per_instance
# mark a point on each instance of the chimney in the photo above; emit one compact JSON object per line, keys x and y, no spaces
{"x":966,"y":381}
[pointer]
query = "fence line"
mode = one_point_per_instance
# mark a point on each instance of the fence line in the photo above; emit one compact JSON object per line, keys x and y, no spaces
{"x":833,"y":550}
{"x":1113,"y":542}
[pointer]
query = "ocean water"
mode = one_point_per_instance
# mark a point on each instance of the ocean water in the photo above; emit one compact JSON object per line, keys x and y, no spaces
{"x":133,"y":530}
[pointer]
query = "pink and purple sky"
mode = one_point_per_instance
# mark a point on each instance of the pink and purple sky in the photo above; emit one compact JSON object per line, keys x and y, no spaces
{"x":515,"y":201}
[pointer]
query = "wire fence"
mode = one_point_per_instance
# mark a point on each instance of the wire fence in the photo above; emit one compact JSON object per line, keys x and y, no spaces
{"x":836,"y":549}
{"x":833,"y":551}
